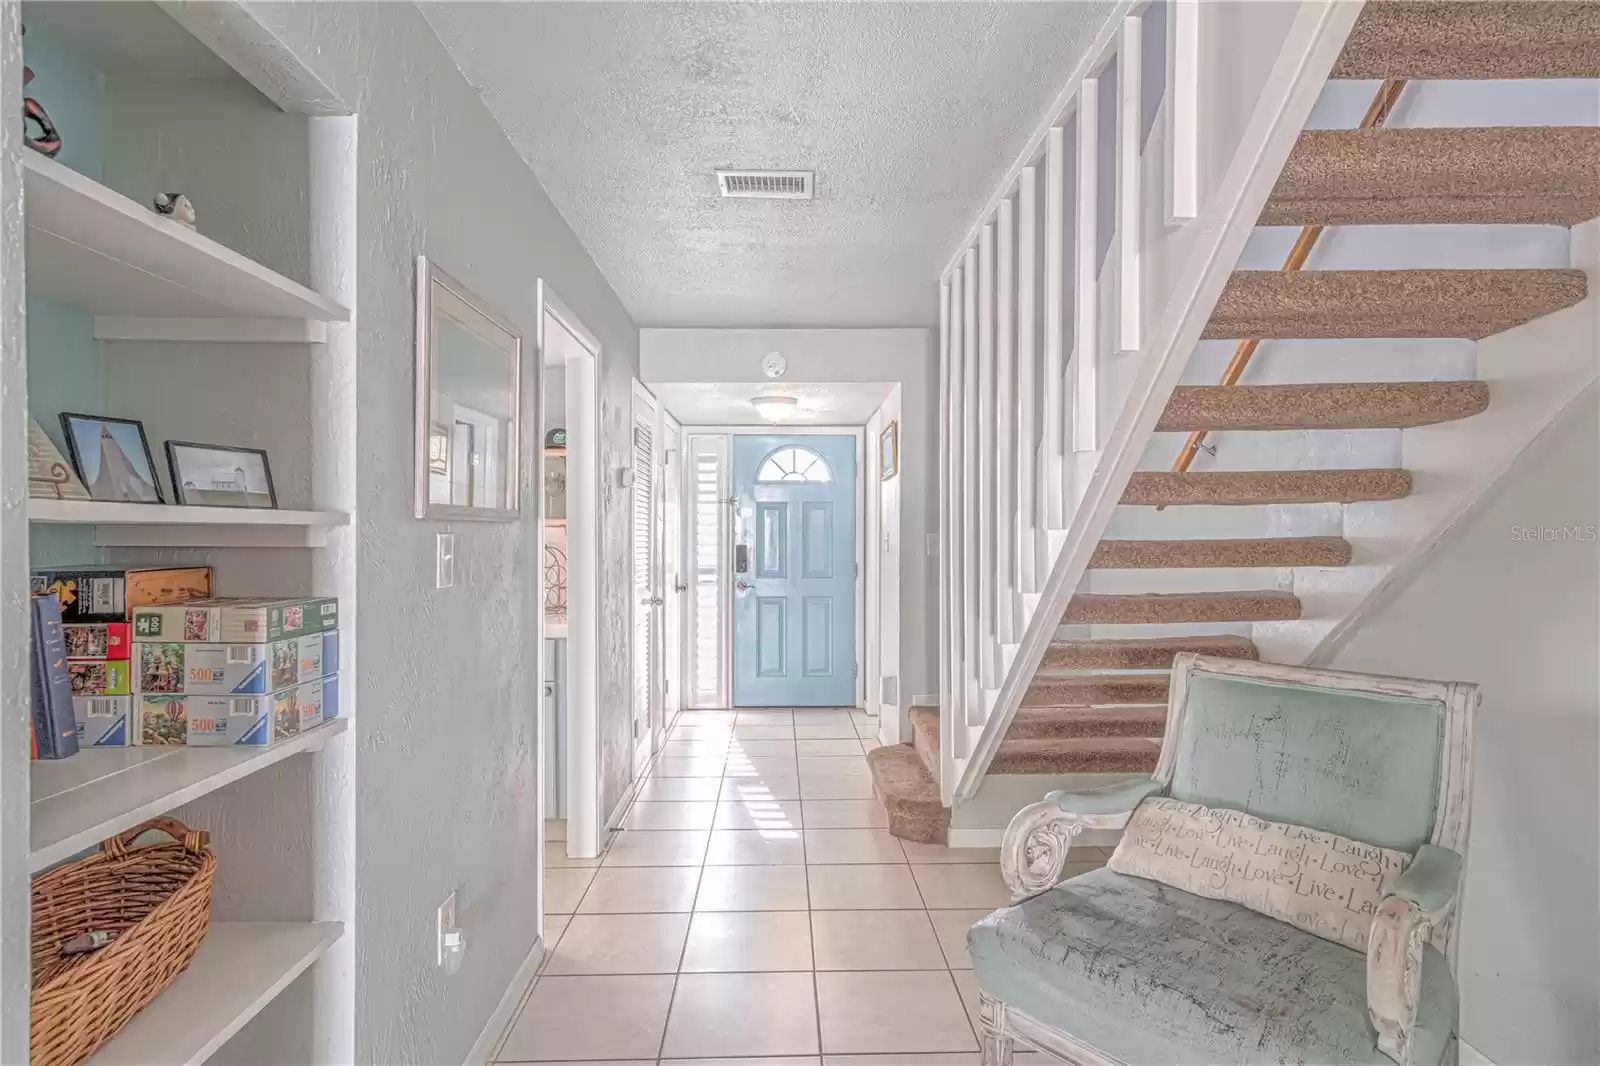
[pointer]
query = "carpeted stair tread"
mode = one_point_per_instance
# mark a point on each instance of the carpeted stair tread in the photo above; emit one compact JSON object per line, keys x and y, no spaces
{"x":1253,"y":551}
{"x":1470,"y":304}
{"x":909,"y":794}
{"x":1547,"y":175}
{"x":925,"y":737}
{"x":1076,"y":755}
{"x":1046,"y":691}
{"x":1036,"y":722}
{"x":1334,"y":405}
{"x":1166,"y":608}
{"x":1156,"y":654}
{"x":1158,"y":488}
{"x":1442,"y":39}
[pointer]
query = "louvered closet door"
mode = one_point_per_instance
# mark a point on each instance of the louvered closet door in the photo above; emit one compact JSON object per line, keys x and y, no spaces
{"x":646,"y":664}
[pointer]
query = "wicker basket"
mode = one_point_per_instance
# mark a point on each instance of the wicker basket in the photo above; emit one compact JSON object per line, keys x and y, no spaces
{"x":155,"y":899}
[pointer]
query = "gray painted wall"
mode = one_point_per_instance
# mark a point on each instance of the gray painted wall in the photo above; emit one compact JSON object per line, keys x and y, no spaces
{"x":1519,"y":615}
{"x":446,"y":775}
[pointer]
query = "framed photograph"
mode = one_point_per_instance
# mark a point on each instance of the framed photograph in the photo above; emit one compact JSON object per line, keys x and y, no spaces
{"x":889,"y":451}
{"x":112,"y":458}
{"x":216,"y":475}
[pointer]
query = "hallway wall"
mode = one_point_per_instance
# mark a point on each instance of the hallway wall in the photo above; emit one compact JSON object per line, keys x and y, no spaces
{"x":445,"y":774}
{"x":905,"y":356}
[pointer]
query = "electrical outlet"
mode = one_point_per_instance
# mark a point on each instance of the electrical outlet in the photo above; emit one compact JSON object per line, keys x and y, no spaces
{"x":445,"y":561}
{"x":451,"y":944}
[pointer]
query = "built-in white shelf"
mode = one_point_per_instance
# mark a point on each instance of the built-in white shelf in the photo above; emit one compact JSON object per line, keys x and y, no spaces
{"x":163,"y":525}
{"x":99,"y":792}
{"x":99,"y":251}
{"x":239,"y":969}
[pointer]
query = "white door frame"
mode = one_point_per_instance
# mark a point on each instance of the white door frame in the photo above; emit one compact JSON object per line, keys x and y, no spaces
{"x":862,"y":560}
{"x":646,"y":406}
{"x":585,"y":829}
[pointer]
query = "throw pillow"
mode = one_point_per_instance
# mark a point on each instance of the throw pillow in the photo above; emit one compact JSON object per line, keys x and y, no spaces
{"x":1324,"y":883}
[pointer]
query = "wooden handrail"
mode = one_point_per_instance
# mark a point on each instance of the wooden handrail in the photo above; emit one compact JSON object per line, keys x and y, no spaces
{"x":1377,"y":113}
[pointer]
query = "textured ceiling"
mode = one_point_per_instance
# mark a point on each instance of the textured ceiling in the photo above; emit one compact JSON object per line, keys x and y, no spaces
{"x":910,"y":114}
{"x":728,"y":403}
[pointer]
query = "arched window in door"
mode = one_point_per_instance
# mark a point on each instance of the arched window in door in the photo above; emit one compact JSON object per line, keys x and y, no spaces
{"x":793,"y":464}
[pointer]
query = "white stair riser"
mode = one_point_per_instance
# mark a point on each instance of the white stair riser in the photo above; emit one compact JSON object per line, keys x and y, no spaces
{"x":1208,"y":523}
{"x":1464,"y":247}
{"x":1315,"y":362}
{"x":1454,"y":104}
{"x":1284,"y":449}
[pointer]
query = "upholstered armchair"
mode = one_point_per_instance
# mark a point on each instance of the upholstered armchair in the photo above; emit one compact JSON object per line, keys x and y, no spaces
{"x":1110,"y":968}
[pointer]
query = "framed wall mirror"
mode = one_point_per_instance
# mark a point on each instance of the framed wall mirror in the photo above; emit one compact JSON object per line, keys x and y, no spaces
{"x":469,"y":404}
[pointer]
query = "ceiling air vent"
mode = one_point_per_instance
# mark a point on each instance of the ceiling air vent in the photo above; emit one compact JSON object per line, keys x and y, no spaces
{"x":765,"y":184}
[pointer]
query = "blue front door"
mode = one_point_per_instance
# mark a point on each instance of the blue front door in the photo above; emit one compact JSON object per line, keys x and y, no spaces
{"x":794,"y":594}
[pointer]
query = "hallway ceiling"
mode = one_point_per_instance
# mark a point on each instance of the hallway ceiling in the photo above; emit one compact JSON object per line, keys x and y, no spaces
{"x":728,"y":403}
{"x":910,"y":114}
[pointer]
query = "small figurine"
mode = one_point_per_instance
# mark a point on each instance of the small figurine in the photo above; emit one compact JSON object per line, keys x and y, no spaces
{"x":175,"y":206}
{"x":42,"y":136}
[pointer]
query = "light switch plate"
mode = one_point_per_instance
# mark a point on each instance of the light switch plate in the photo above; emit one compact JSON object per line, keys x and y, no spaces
{"x":451,"y":945}
{"x":445,"y":561}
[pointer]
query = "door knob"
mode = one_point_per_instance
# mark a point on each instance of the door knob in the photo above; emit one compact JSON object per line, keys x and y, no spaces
{"x":652,"y":601}
{"x":742,"y":585}
{"x":680,"y":586}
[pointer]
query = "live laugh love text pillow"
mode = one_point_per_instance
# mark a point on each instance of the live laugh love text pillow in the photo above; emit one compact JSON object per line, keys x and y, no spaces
{"x":1324,"y":883}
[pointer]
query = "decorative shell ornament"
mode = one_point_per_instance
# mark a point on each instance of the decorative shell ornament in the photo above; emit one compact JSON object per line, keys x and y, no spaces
{"x":175,"y":206}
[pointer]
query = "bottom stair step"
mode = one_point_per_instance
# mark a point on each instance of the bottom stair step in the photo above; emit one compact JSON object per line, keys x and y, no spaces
{"x":909,"y":794}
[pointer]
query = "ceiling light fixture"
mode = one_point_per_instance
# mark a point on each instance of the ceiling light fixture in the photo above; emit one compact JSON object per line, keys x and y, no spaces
{"x":776,"y":408}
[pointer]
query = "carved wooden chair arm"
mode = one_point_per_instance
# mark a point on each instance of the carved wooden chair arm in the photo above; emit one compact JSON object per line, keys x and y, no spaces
{"x":1033,"y":855}
{"x":1420,"y":898}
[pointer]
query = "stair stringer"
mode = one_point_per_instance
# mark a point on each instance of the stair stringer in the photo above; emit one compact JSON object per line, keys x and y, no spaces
{"x":1535,"y":372}
{"x":1223,"y":227}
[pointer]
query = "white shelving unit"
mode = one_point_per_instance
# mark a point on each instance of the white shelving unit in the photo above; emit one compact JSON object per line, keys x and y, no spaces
{"x":98,"y":793}
{"x":152,"y":525}
{"x":239,"y":969}
{"x":97,"y":250}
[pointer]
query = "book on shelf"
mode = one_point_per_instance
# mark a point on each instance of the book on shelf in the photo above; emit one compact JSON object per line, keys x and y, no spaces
{"x":55,"y":728}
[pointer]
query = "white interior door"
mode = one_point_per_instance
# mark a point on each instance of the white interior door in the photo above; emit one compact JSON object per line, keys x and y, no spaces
{"x":673,"y":584}
{"x":647,"y":599}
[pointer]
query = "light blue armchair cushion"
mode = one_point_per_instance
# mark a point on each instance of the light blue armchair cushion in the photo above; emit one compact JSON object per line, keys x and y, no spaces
{"x":1155,"y":976}
{"x":1365,"y":767}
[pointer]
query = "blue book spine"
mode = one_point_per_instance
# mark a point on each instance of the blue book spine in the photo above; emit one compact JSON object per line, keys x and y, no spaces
{"x":54,"y":726}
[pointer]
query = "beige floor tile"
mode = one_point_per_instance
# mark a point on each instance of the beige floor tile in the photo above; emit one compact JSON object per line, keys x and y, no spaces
{"x":641,"y":890}
{"x":563,"y":888}
{"x":707,"y":767}
{"x":671,"y":814}
{"x":875,"y":940}
{"x":554,"y":926}
{"x":763,"y":732}
{"x":957,"y":886}
{"x":771,"y":786}
{"x":619,"y":943}
{"x":756,"y":813}
{"x":967,"y":985}
{"x":720,"y":1015}
{"x":673,"y":847}
{"x":839,"y":888}
{"x":893,"y":1012}
{"x":679,"y":789}
{"x":931,"y":853}
{"x":782,"y":1060}
{"x":836,"y":788}
{"x":593,"y":1062}
{"x":556,"y":858}
{"x":843,"y":729}
{"x":844,"y":814}
{"x":707,"y":733}
{"x":752,"y":888}
{"x":726,"y":716}
{"x":951,"y":927}
{"x":763,"y":749}
{"x":760,"y":767}
{"x":555,"y":829}
{"x":974,"y":1059}
{"x":765,"y":716}
{"x":825,"y":847}
{"x":756,"y":847}
{"x":828,"y":748}
{"x":834,"y":765}
{"x":744,"y":942}
{"x":590,"y":1018}
{"x":707,"y":748}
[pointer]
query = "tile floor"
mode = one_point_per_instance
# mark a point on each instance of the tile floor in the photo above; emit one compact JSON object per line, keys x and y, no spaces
{"x":755,"y":912}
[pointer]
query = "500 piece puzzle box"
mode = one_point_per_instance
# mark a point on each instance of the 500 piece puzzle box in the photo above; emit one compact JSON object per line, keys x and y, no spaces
{"x":214,"y":721}
{"x":228,"y":621}
{"x":233,"y":669}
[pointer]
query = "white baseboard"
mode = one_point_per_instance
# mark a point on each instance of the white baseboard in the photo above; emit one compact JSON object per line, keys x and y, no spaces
{"x":488,"y":1041}
{"x":925,"y":700}
{"x":1467,"y":1055}
{"x":987,"y":837}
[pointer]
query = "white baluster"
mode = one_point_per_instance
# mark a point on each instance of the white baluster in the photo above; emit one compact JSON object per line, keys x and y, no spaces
{"x":969,"y":494}
{"x":1183,"y":110}
{"x":1005,"y":426}
{"x":1086,"y":297}
{"x":955,"y":427}
{"x":942,"y":562}
{"x":1027,"y":378}
{"x":1130,"y":120}
{"x":1054,"y":323}
{"x":987,"y":583}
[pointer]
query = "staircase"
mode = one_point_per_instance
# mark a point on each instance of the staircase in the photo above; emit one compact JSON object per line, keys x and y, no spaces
{"x":1290,"y":503}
